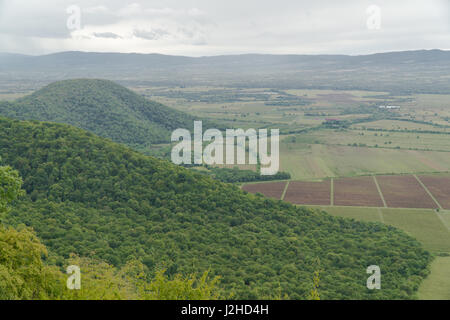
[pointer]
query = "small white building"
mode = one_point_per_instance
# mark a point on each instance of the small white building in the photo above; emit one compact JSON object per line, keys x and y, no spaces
{"x":389,"y":107}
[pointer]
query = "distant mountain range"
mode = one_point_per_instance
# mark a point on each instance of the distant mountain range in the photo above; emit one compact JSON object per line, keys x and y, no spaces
{"x":102,"y":107}
{"x":398,"y":72}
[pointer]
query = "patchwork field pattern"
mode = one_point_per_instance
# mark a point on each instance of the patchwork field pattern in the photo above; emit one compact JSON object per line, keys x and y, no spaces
{"x":309,"y":192}
{"x":269,"y":189}
{"x":399,"y":191}
{"x":360,"y":191}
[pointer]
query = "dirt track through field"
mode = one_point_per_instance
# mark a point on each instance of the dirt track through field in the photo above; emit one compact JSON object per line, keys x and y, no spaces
{"x":439,"y":187}
{"x":379,"y":191}
{"x":284,"y":191}
{"x":428,"y":191}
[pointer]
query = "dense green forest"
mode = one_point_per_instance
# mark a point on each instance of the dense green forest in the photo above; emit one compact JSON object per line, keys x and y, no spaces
{"x":25,"y":275}
{"x":102,"y":107}
{"x":97,"y":199}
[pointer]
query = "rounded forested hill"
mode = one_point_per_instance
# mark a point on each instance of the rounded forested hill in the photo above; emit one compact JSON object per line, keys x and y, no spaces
{"x":93,"y":197}
{"x":102,"y":107}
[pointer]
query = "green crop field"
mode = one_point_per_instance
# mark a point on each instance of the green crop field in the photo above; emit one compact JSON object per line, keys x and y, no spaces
{"x":396,"y":125}
{"x":423,"y":224}
{"x":437,"y":285}
{"x":389,"y":140}
{"x":317,"y":161}
{"x":357,"y":213}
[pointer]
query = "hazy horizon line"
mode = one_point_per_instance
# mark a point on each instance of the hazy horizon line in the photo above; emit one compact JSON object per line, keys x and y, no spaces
{"x":222,"y":55}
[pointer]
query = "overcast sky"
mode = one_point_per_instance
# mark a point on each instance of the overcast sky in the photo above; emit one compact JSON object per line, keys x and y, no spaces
{"x":212,"y":27}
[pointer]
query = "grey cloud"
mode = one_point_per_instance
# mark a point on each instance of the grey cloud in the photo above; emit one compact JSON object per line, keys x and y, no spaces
{"x":109,"y":35}
{"x":232,"y":26}
{"x":153,"y":34}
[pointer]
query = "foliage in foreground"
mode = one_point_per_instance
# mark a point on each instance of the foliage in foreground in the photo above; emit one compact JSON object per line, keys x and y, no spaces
{"x":24,"y":275}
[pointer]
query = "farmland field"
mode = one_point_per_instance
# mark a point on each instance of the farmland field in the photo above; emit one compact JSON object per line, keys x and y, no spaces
{"x":404,"y":192}
{"x":357,"y":213}
{"x":360,"y":191}
{"x":410,"y":208}
{"x":269,"y":189}
{"x":413,"y":139}
{"x":425,"y":141}
{"x":437,"y":285}
{"x":439,"y":186}
{"x":423,"y":224}
{"x":318,"y":161}
{"x":309,"y":192}
{"x":398,"y":191}
{"x":397,"y":125}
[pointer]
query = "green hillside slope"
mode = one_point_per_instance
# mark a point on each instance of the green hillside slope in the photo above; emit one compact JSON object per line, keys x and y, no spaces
{"x":102,"y":107}
{"x":97,"y":198}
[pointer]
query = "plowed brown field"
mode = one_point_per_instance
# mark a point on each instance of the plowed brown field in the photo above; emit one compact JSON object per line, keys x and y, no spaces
{"x":404,"y":192}
{"x":315,"y":193}
{"x":360,"y":191}
{"x":439,"y":186}
{"x":269,"y":189}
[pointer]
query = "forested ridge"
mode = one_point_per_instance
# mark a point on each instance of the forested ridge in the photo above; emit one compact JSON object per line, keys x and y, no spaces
{"x":102,"y":107}
{"x":95,"y":198}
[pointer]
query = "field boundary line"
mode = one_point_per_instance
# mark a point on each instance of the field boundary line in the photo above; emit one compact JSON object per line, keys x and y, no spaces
{"x":379,"y":191}
{"x":285,"y":190}
{"x":332,"y":192}
{"x":365,"y":207}
{"x":380,"y":213}
{"x":428,"y":191}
